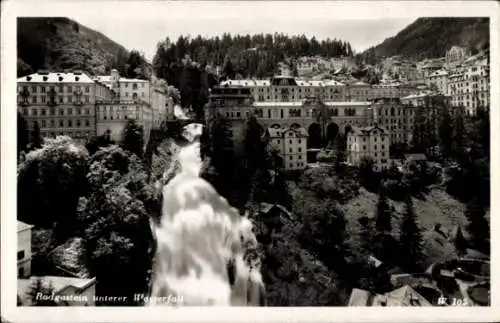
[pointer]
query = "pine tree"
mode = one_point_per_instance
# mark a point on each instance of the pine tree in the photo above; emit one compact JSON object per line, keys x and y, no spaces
{"x":36,"y":138}
{"x":132,"y":139}
{"x":383,"y":216}
{"x":410,"y":239}
{"x":445,"y":132}
{"x":22,"y":134}
{"x":478,"y":226}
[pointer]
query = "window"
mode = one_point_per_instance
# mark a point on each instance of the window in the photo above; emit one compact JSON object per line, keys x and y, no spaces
{"x":87,"y":89}
{"x":70,"y":111}
{"x":52,"y":123}
{"x":35,"y":112}
{"x":78,"y":123}
{"x":278,"y":141}
{"x":87,"y":111}
{"x":43,"y":89}
{"x":69,"y":89}
{"x":291,"y":157}
{"x":87,"y":99}
{"x":70,"y":99}
{"x":61,"y":99}
{"x":70,"y":124}
{"x":300,"y":150}
{"x":43,"y":99}
{"x":20,"y":272}
{"x":44,"y":124}
{"x":291,"y":150}
{"x":44,"y":112}
{"x":61,"y":123}
{"x":33,"y":99}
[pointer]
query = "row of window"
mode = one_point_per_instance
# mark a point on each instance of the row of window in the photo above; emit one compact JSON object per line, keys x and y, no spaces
{"x":72,"y":134}
{"x":299,"y":165}
{"x":59,"y":88}
{"x":299,"y":157}
{"x":134,"y":95}
{"x":63,"y":123}
{"x":53,"y":111}
{"x":299,"y":141}
{"x":60,"y":99}
{"x":125,"y":84}
{"x":118,"y":108}
{"x":119,"y":117}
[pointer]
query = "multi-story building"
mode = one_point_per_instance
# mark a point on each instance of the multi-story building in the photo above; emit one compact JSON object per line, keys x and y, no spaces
{"x":455,"y":56}
{"x":125,"y":88}
{"x":469,"y":85}
{"x":395,"y":117}
{"x":61,"y":103}
{"x":112,"y":117}
{"x":439,"y":80}
{"x":23,"y":249}
{"x":80,"y":106}
{"x":288,"y":89}
{"x":291,"y":144}
{"x":370,"y":142}
{"x":429,"y":66}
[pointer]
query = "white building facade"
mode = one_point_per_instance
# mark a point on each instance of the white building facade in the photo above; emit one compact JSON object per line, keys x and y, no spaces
{"x":291,"y":144}
{"x":23,"y":249}
{"x":370,"y":142}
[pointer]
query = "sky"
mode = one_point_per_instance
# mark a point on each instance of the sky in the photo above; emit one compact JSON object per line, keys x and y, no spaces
{"x":167,"y":19}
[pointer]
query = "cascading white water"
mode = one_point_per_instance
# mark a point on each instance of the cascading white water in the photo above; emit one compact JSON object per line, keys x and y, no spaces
{"x":198,"y":236}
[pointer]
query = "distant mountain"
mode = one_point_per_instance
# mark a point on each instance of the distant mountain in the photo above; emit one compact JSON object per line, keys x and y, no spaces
{"x":61,"y":43}
{"x":432,"y":37}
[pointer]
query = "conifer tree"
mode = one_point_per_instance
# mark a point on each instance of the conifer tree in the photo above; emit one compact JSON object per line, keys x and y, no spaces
{"x":410,"y":239}
{"x":477,"y":227}
{"x":133,"y":138}
{"x":36,"y":138}
{"x":383,"y":216}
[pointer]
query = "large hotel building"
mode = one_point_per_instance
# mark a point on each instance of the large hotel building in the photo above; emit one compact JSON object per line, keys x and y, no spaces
{"x":81,"y":106}
{"x":316,"y":111}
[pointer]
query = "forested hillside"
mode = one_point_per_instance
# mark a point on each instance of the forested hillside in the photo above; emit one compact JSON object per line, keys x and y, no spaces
{"x":432,"y":37}
{"x":61,"y":43}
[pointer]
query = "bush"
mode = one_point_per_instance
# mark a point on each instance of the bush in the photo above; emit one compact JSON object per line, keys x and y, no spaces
{"x":50,"y":181}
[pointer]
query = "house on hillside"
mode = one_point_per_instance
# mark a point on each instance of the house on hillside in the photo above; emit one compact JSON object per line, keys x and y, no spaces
{"x":274,"y":215}
{"x":404,"y":296}
{"x":23,"y":249}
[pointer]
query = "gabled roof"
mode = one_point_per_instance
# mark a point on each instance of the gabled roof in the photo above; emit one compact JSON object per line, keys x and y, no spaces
{"x":406,"y":296}
{"x":21,"y":226}
{"x":280,"y":132}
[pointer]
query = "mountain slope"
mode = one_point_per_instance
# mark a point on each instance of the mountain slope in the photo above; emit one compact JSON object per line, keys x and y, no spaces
{"x":61,"y":43}
{"x":432,"y":37}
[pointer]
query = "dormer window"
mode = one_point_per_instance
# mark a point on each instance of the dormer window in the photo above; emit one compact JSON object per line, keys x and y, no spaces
{"x":28,"y":78}
{"x":45,"y":78}
{"x":77,"y":78}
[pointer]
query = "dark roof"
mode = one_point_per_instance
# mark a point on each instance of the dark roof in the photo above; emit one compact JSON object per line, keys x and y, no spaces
{"x":415,"y":157}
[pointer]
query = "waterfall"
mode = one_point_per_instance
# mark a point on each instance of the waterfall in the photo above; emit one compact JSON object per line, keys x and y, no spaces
{"x":201,"y":241}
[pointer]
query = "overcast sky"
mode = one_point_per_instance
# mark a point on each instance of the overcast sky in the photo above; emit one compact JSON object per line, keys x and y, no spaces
{"x":320,"y":19}
{"x":142,"y":24}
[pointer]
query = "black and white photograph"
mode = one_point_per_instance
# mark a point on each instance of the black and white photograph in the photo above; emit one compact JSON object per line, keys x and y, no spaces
{"x":266,"y":154}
